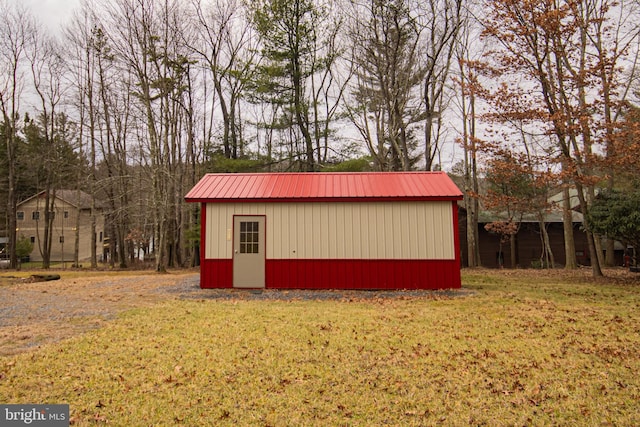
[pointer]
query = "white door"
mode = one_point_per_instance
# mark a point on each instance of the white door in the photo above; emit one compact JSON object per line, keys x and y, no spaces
{"x":248,"y":252}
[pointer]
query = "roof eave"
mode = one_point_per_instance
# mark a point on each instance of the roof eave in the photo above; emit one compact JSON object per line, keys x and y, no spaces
{"x":324,"y":199}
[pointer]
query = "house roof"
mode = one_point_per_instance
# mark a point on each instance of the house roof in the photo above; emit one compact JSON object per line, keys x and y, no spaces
{"x":555,"y":215}
{"x":77,"y":198}
{"x":356,"y":186}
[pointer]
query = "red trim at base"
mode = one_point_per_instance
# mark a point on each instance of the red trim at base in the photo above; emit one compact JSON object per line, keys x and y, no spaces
{"x":216,"y":273}
{"x":342,"y":274}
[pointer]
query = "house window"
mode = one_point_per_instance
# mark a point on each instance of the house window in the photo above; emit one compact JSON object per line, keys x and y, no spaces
{"x":100,"y":236}
{"x":61,"y":239}
{"x":249,"y":237}
{"x":33,"y":239}
{"x":35,"y":215}
{"x":66,"y":214}
{"x":20,"y":215}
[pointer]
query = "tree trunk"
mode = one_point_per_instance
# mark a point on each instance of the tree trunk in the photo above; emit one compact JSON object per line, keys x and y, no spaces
{"x":472,"y":261}
{"x":12,"y":199}
{"x":548,"y":260}
{"x":92,"y":175}
{"x":17,"y":31}
{"x":597,"y":241}
{"x":48,"y":227}
{"x":76,"y":237}
{"x":593,"y":254}
{"x":567,"y":222}
{"x":610,"y":256}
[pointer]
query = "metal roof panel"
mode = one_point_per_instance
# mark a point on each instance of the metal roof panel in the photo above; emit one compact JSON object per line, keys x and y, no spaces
{"x":324,"y":186}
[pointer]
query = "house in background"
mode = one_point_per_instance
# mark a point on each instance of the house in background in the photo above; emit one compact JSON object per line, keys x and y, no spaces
{"x":4,"y":256}
{"x":72,"y":211}
{"x":528,"y":239}
{"x":395,"y":230}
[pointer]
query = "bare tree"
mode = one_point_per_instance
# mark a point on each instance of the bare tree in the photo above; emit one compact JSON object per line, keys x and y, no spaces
{"x":82,"y":71}
{"x":468,"y":85}
{"x":614,"y":40}
{"x":146,"y":37}
{"x":114,"y":91}
{"x":441,"y":21}
{"x":47,"y":68}
{"x":386,"y":52}
{"x":228,"y":48}
{"x":16,"y":32}
{"x":329,"y":86}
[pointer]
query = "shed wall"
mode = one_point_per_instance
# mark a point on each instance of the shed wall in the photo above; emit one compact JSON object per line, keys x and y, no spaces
{"x":368,"y":231}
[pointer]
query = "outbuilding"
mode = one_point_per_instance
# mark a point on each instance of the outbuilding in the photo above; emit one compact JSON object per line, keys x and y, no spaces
{"x":377,"y":230}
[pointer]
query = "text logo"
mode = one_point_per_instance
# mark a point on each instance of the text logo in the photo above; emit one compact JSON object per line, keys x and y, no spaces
{"x":34,"y":415}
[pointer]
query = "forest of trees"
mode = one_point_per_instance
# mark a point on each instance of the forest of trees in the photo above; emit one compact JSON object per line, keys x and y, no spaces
{"x":132,"y":101}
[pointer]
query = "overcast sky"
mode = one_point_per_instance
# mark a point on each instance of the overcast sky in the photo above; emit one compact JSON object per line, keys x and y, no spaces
{"x":52,"y":13}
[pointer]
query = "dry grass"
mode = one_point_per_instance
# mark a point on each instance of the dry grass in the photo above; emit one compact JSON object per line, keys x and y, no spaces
{"x":527,"y":348}
{"x":37,"y":313}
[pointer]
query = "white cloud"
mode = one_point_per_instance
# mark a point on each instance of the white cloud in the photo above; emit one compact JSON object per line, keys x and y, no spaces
{"x":52,"y":13}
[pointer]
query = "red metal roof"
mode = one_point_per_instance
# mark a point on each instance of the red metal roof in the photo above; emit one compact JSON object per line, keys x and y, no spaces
{"x":272,"y":187}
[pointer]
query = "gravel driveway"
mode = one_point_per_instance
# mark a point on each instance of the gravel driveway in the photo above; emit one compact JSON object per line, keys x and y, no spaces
{"x":32,"y":314}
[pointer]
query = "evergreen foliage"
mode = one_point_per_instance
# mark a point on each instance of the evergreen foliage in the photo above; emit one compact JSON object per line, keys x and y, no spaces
{"x":616,"y":214}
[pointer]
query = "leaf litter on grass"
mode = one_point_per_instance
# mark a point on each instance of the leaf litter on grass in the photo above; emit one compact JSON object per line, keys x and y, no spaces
{"x":514,"y":353}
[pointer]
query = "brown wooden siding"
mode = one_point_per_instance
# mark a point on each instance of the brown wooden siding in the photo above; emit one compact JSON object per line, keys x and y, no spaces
{"x":528,"y":245}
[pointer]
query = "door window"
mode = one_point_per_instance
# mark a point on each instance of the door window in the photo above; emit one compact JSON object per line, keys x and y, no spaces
{"x":249,"y":237}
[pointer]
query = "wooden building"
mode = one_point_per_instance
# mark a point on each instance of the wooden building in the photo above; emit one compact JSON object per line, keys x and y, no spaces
{"x":528,"y":242}
{"x":395,"y":230}
{"x":528,"y":247}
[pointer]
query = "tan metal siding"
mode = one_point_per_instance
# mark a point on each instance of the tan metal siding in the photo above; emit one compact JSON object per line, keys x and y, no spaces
{"x":62,"y":227}
{"x":401,"y":230}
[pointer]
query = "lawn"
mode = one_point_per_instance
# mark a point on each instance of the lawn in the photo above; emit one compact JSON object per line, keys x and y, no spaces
{"x":523,"y":348}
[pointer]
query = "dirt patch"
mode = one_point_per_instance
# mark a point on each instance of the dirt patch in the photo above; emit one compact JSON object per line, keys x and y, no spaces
{"x":32,"y":314}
